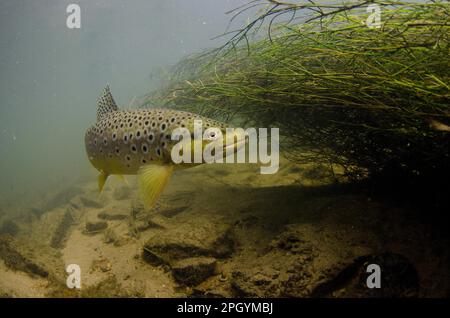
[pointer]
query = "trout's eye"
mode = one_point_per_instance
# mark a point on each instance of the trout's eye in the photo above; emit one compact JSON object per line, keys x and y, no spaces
{"x":212,"y":135}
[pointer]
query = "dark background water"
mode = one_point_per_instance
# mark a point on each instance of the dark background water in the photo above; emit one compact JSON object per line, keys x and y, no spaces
{"x":50,"y":76}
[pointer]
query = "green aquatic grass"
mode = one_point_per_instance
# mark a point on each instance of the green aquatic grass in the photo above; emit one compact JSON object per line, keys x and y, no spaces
{"x":339,"y":91}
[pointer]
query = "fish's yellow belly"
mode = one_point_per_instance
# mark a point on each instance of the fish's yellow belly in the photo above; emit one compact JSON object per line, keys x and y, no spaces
{"x":113,"y":166}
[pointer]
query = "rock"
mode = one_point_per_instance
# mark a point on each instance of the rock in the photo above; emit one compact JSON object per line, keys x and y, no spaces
{"x":242,"y":285}
{"x":200,"y":238}
{"x":264,"y":280}
{"x":122,"y":193}
{"x":111,"y":237}
{"x":9,"y":227}
{"x":171,"y":212}
{"x":102,"y":265}
{"x":111,"y":216}
{"x":62,"y":197}
{"x":284,"y":269}
{"x":291,"y":241}
{"x":16,"y":261}
{"x":90,"y":203}
{"x":93,"y":227}
{"x":193,"y":271}
{"x":76,"y":203}
{"x":36,"y":212}
{"x":144,"y":225}
{"x":108,"y":288}
{"x":399,"y":278}
{"x":61,"y":230}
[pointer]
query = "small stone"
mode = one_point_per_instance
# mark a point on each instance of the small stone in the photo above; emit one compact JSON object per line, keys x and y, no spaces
{"x":111,"y":216}
{"x":96,"y":226}
{"x":102,"y":265}
{"x":90,"y":203}
{"x":223,"y":278}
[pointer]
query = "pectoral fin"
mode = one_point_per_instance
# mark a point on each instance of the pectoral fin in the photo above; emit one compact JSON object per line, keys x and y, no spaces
{"x":152,"y":181}
{"x":101,"y":180}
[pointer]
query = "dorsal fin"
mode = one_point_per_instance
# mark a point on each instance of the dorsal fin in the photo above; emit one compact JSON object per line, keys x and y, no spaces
{"x":105,"y":103}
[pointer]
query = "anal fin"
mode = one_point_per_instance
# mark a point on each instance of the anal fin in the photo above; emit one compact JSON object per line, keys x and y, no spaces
{"x":152,"y":180}
{"x":101,"y":180}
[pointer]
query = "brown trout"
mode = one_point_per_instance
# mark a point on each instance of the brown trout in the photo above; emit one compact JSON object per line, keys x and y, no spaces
{"x":130,"y":142}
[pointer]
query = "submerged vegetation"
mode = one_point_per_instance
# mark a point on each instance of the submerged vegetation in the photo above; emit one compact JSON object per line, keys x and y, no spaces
{"x":374,"y":100}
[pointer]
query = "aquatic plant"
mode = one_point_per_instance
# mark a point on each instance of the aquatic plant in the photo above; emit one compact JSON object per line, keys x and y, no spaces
{"x":370,"y":99}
